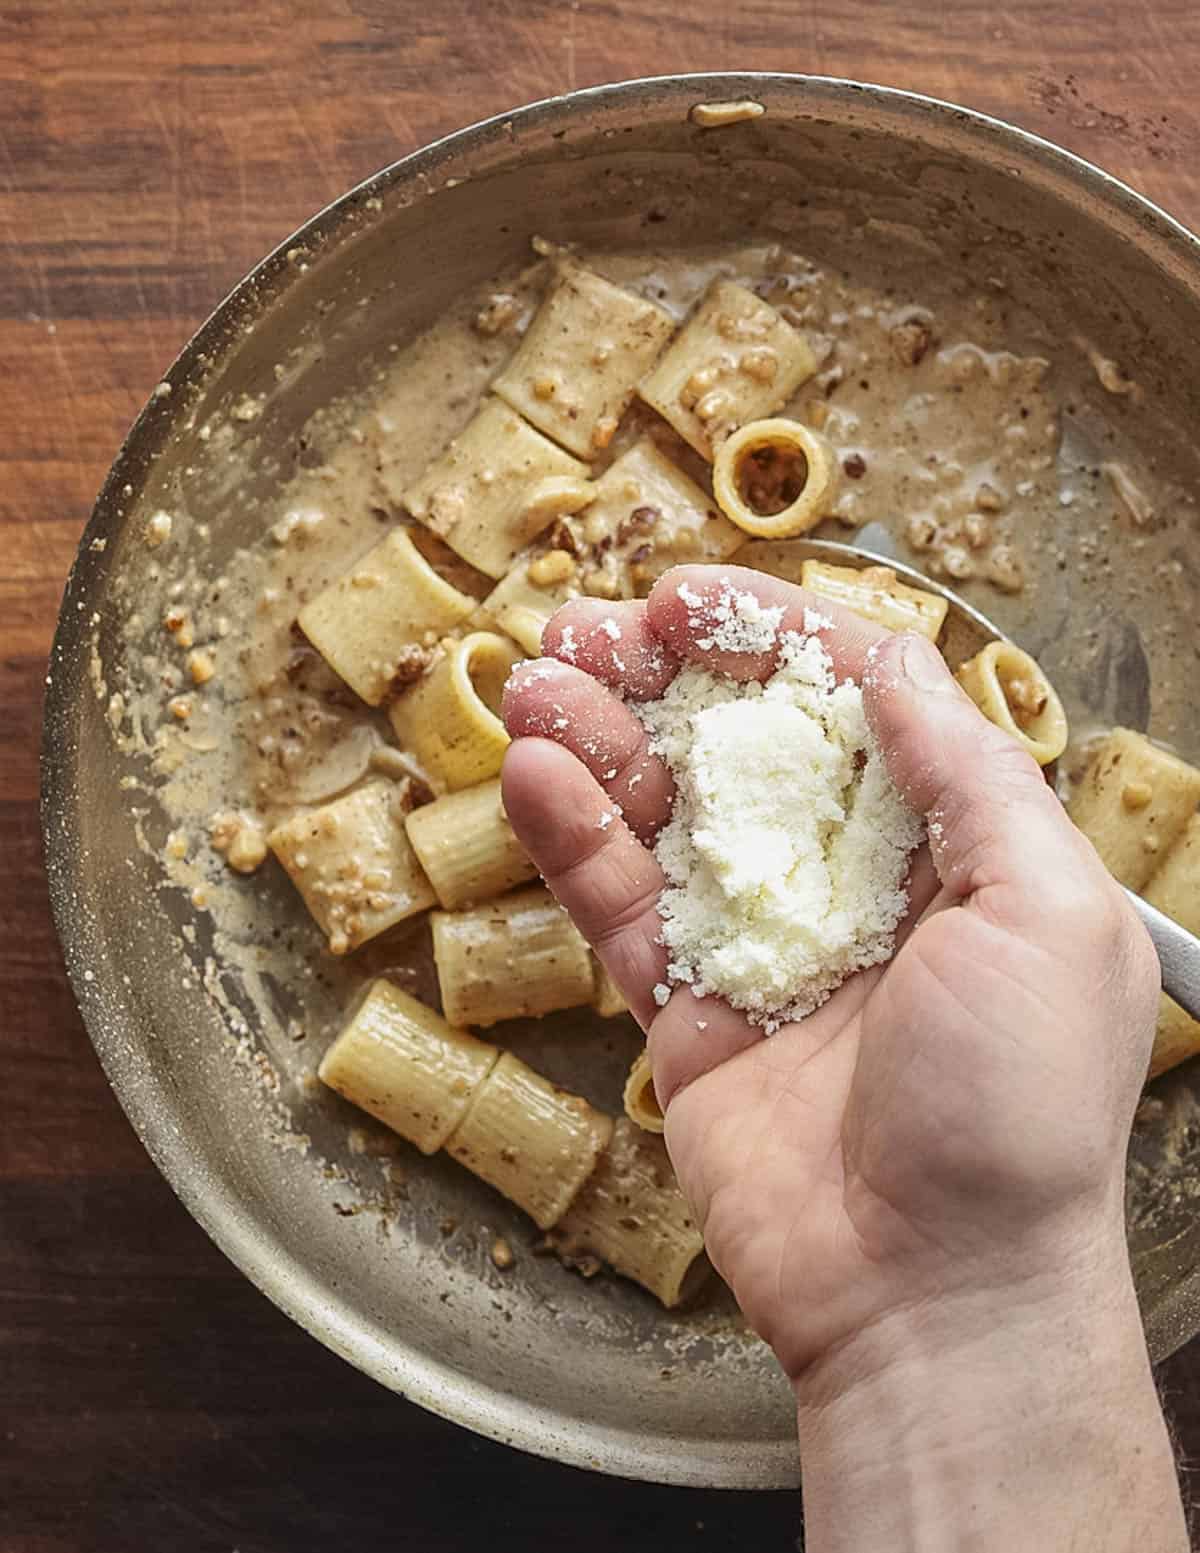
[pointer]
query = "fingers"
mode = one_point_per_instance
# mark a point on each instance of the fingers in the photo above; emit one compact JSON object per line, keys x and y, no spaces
{"x":612,"y":642}
{"x":997,"y":833}
{"x":550,"y":700}
{"x":592,"y":862}
{"x":699,"y":613}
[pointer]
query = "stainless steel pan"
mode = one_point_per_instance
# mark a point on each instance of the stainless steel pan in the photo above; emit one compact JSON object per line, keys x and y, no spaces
{"x":593,"y":1373}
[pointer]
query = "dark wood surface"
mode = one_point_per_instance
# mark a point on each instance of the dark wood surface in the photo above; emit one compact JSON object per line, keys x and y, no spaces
{"x":149,"y":152}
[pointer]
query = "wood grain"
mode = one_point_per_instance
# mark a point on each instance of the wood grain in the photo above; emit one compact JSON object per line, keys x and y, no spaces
{"x":150,"y":152}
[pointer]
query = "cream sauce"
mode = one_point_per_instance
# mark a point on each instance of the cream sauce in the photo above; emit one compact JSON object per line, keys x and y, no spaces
{"x":950,"y":439}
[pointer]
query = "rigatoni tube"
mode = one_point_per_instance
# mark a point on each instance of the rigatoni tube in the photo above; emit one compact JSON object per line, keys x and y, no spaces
{"x":511,"y":958}
{"x":370,"y":624}
{"x":641,"y":1102}
{"x":530,"y":1140}
{"x":1174,"y":889}
{"x":607,"y":998}
{"x":450,"y":719}
{"x":1010,"y":689}
{"x":466,"y":846}
{"x":352,"y":862}
{"x":775,"y":478}
{"x":876,"y":593}
{"x":632,"y":1215}
{"x":1133,"y":804}
{"x":402,"y":1063}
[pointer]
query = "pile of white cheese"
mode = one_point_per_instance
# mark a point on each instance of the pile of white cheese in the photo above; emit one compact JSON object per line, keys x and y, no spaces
{"x":788,"y":845}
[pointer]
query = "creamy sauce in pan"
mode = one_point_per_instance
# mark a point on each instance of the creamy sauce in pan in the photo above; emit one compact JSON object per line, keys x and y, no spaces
{"x":965,"y":434}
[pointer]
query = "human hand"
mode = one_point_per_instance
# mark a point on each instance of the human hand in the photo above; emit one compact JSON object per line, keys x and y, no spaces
{"x":953,"y":1120}
{"x":916,"y":1193}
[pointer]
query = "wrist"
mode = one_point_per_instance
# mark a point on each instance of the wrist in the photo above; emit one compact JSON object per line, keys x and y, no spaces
{"x":991,"y":1417}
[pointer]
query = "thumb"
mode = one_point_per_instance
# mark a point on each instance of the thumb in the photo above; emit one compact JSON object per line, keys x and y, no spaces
{"x":997,"y":832}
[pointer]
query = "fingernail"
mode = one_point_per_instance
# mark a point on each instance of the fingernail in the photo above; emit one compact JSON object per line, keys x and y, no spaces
{"x":923,"y":665}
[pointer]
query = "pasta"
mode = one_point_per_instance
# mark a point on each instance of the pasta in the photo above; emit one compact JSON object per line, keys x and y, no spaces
{"x":645,"y":516}
{"x":402,"y":1063}
{"x":1133,"y":804}
{"x":775,"y":479}
{"x":352,"y":862}
{"x":466,"y":846}
{"x":582,"y":357}
{"x":1176,"y":1037}
{"x":522,"y":602}
{"x":1009,"y":688}
{"x":877,"y":594}
{"x":372,"y":624}
{"x":450,"y":719}
{"x":641,"y":1102}
{"x":735,"y":360}
{"x":535,"y":1143}
{"x":631,"y":1213}
{"x":1174,"y":889}
{"x":510,"y":958}
{"x":606,"y":998}
{"x":497,"y":486}
{"x":582,"y":470}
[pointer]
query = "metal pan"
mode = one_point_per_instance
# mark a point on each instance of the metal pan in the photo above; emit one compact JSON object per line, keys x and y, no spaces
{"x":592,"y":1374}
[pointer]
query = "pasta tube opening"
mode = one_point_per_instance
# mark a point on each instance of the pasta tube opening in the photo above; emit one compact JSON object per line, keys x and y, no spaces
{"x":641,"y":1102}
{"x":1009,"y":688}
{"x":482,"y":666}
{"x":774,"y":478}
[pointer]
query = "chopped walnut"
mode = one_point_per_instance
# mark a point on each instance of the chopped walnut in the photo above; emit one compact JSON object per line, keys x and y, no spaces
{"x":761,"y":364}
{"x":201,"y":667}
{"x":552,"y":567}
{"x":240,"y":840}
{"x":988,"y":498}
{"x":603,"y":432}
{"x":498,"y":313}
{"x":601,"y":583}
{"x":1026,"y":699}
{"x":976,"y":530}
{"x":564,"y":537}
{"x":411,"y":662}
{"x":921,"y":531}
{"x":179,"y":624}
{"x":957,"y":563}
{"x":910,"y":341}
{"x":502,"y":1254}
{"x":639,"y":521}
{"x":412,"y":793}
{"x":1005,"y":570}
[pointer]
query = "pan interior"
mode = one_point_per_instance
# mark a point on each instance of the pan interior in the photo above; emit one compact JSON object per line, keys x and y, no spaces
{"x":386,"y":1258}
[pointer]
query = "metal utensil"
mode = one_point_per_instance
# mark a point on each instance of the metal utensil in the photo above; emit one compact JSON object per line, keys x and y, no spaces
{"x":965,"y":632}
{"x":592,"y":1374}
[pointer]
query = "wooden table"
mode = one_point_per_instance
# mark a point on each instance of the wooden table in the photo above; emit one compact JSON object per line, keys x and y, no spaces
{"x":150,"y":152}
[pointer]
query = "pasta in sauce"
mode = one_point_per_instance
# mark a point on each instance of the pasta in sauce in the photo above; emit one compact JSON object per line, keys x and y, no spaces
{"x":550,"y":438}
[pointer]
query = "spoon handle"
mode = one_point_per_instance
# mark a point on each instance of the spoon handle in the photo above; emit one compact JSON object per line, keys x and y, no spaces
{"x":1178,"y":955}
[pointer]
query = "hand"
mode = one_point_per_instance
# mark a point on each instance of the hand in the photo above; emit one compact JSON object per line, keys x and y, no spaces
{"x":955,"y":1117}
{"x":941,"y":1145}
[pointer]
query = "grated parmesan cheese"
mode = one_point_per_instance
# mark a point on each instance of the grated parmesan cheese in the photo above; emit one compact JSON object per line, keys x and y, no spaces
{"x":788,"y":845}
